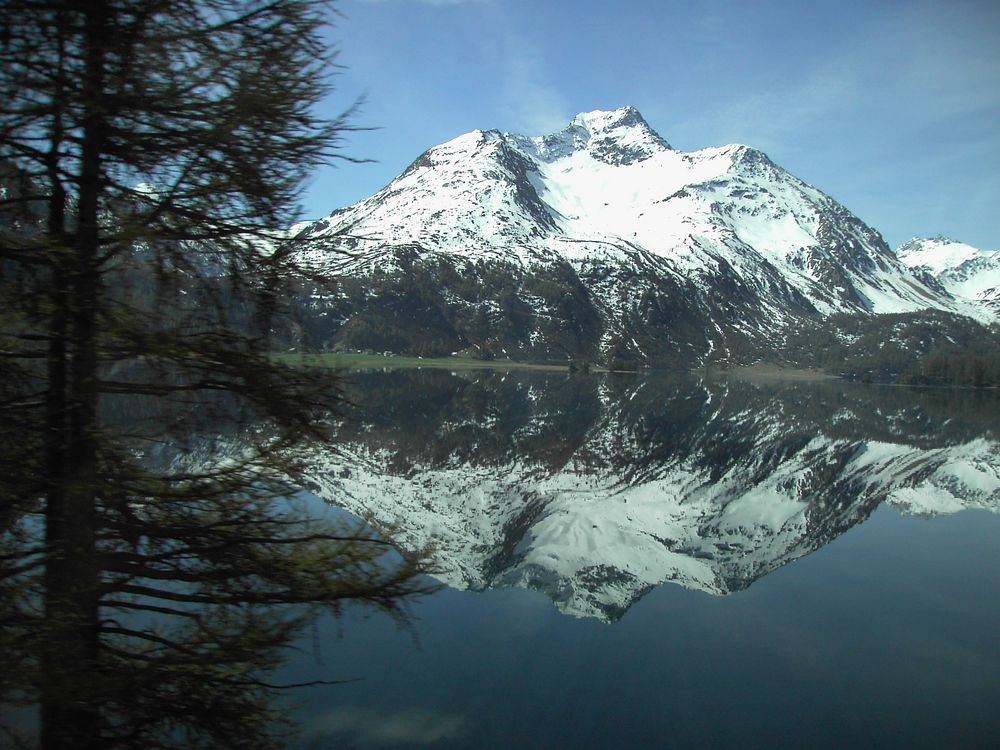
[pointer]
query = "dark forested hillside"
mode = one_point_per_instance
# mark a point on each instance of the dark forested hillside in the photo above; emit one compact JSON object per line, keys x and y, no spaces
{"x":925,"y":348}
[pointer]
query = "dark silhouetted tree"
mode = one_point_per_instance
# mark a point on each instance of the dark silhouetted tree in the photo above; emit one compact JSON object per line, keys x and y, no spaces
{"x":151,"y":154}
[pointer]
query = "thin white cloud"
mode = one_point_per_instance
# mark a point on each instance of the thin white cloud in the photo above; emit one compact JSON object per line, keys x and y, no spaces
{"x":536,"y":107}
{"x":523,"y":92}
{"x":767,"y":119}
{"x":947,"y":61}
{"x":368,"y":728}
{"x":924,"y":65}
{"x":528,"y":100}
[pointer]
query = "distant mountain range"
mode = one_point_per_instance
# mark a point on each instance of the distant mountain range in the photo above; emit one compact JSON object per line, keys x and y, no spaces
{"x":962,"y":270}
{"x":602,"y":243}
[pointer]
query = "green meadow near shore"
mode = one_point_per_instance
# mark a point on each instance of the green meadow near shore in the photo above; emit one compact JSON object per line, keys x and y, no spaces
{"x":361,"y":361}
{"x":357,"y":360}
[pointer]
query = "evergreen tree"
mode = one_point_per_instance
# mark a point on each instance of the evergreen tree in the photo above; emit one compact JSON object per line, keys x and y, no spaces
{"x":151,"y":154}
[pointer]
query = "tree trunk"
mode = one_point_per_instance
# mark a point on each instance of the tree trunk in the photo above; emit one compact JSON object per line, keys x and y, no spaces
{"x":72,"y":687}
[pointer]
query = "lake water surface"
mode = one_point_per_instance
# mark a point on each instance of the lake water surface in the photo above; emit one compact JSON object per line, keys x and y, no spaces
{"x":640,"y":562}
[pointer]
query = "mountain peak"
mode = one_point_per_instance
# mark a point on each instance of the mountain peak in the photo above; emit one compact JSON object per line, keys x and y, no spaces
{"x":917,"y":242}
{"x":619,"y":136}
{"x":934,"y":251}
{"x":599,"y":120}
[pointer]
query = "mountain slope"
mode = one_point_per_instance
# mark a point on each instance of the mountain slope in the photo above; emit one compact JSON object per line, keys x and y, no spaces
{"x":601,"y":241}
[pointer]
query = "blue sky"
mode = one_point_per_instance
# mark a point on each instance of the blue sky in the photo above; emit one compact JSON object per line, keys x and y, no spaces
{"x":893,"y":108}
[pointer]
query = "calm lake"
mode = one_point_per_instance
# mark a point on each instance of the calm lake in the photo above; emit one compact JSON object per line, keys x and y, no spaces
{"x":638,"y":562}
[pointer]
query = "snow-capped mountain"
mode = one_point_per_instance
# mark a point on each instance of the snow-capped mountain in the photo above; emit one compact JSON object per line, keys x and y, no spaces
{"x":964,"y":271}
{"x":594,"y":491}
{"x":600,"y":240}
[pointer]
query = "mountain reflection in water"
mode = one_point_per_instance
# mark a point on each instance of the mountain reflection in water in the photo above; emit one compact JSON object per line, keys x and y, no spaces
{"x":596,"y":489}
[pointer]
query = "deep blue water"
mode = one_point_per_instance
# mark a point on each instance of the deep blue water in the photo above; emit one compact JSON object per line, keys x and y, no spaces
{"x":886,"y":636}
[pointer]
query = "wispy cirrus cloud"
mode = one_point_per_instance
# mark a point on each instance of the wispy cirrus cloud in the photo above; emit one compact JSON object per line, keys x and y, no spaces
{"x":522,"y":87}
{"x":365,"y":727}
{"x":947,"y":62}
{"x":766,"y":118}
{"x":922,"y":66}
{"x":535,"y":105}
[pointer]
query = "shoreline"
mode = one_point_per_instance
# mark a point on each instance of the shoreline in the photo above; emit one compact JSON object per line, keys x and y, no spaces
{"x":763,"y":371}
{"x":767,"y":371}
{"x":352,"y":361}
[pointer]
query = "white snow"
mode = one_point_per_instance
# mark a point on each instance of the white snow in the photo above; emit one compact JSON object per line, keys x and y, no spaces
{"x":937,"y":254}
{"x":966,"y":272}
